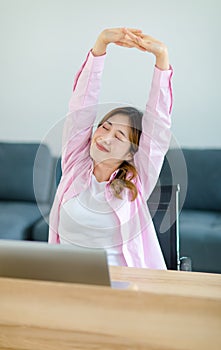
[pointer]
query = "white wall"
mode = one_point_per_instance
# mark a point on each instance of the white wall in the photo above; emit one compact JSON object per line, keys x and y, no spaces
{"x":44,"y":42}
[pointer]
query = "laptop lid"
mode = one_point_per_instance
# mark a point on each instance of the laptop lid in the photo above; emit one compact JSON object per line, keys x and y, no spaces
{"x":60,"y":263}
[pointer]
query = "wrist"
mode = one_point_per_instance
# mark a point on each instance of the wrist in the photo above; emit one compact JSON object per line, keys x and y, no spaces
{"x":100,"y":46}
{"x":162,"y":60}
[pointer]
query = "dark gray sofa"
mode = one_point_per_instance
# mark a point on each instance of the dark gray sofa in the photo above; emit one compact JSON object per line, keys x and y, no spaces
{"x":25,"y":202}
{"x":25,"y":188}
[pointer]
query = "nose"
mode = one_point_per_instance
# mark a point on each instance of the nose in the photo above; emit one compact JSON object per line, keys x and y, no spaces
{"x":107,"y":138}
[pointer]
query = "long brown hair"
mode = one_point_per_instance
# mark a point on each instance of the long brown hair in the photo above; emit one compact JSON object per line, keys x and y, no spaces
{"x":127,"y":171}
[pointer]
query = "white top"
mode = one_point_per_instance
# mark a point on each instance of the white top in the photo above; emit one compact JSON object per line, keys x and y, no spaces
{"x":88,"y":220}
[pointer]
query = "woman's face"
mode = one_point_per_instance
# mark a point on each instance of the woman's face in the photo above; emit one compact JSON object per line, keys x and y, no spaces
{"x":110,"y":142}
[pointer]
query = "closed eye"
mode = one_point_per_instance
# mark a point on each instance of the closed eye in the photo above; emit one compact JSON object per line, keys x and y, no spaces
{"x":120,"y":136}
{"x":106,"y":126}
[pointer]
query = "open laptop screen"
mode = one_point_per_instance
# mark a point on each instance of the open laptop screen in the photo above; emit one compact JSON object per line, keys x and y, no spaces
{"x":60,"y":263}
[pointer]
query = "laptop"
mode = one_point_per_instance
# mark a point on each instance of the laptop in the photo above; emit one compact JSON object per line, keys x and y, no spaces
{"x":47,"y":262}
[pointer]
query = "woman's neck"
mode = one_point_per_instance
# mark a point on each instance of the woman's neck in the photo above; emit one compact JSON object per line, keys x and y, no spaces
{"x":102,"y":172}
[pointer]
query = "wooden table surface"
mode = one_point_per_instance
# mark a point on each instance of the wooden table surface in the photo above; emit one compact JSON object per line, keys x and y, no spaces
{"x":160,"y":310}
{"x":169,"y":282}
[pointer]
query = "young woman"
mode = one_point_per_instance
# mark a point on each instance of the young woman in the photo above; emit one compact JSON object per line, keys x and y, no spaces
{"x":108,"y":175}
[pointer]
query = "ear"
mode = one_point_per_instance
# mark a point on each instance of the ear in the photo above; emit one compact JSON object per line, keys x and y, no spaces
{"x":129,"y":156}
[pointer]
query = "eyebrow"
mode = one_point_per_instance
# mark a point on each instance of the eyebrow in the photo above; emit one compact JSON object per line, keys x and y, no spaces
{"x":118,"y":129}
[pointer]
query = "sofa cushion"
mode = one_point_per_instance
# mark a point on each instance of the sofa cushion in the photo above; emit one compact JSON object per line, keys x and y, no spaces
{"x":198,"y":171}
{"x":200,"y":239}
{"x":40,"y":230}
{"x":204,"y":179}
{"x":17,"y":218}
{"x":25,"y":173}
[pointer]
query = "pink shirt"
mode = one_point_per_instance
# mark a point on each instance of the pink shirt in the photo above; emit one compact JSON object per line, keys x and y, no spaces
{"x":141,"y":247}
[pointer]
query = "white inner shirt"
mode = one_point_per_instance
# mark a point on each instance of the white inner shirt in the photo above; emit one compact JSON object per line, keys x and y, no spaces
{"x":87,"y":220}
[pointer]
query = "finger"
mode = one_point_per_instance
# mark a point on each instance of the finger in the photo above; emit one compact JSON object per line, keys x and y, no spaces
{"x":139,"y":47}
{"x":150,"y":46}
{"x":144,"y":43}
{"x":125,"y":44}
{"x":118,"y":43}
{"x":129,"y":45}
{"x":132,"y":36}
{"x":138,"y":32}
{"x":134,"y":30}
{"x":133,"y":43}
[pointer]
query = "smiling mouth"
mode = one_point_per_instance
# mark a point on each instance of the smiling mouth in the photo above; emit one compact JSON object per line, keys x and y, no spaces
{"x":101,"y":148}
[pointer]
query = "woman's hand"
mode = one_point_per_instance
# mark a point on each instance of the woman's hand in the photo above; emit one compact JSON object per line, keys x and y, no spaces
{"x":131,"y":37}
{"x":118,"y":36}
{"x":152,"y":45}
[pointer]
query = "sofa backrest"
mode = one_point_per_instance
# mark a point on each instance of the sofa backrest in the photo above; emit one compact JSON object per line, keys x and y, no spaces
{"x":203,"y":167}
{"x":204,"y":179}
{"x":25,"y":172}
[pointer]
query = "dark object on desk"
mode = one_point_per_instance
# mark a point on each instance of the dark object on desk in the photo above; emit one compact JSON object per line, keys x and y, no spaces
{"x":185,"y":264}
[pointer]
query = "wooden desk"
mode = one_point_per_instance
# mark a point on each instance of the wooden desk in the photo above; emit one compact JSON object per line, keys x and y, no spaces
{"x":170,"y":282}
{"x":162,"y":310}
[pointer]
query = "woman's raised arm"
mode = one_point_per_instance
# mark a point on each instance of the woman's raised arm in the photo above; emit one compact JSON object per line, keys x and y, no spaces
{"x":151,"y":45}
{"x":86,"y":90}
{"x":156,"y":134}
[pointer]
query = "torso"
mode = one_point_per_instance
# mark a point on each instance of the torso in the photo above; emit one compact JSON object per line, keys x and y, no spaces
{"x":88,"y":220}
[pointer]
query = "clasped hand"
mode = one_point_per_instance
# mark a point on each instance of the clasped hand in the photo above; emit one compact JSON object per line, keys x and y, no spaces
{"x":132,"y":38}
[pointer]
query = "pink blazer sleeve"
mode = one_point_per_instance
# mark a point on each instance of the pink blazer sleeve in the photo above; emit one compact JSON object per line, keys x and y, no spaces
{"x":156,"y":134}
{"x":77,"y":129}
{"x":82,"y":107}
